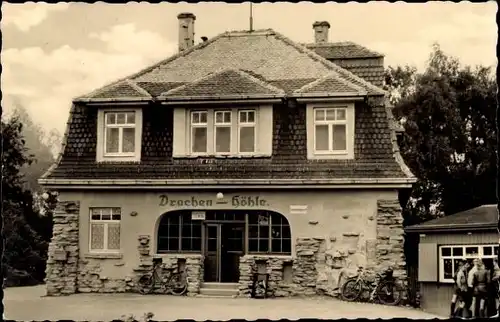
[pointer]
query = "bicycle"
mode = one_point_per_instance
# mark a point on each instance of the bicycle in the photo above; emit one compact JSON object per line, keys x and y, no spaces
{"x":384,"y":289}
{"x":176,"y":283}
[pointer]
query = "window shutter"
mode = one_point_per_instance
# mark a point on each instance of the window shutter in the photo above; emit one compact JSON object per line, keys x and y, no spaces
{"x":179,"y":144}
{"x":428,"y":262}
{"x":265,"y":130}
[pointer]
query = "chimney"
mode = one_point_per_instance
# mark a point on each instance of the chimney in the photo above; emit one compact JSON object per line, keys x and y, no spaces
{"x":321,"y":31}
{"x":186,"y":30}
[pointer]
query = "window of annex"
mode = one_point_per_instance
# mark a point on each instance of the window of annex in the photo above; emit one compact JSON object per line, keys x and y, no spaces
{"x":450,"y":256}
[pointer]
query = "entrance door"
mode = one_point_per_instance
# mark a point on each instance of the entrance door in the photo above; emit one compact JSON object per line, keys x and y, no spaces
{"x":223,"y":249}
{"x":232,"y":235}
{"x":212,"y":253}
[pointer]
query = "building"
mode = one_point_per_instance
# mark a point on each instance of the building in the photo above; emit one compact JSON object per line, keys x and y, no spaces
{"x":446,"y":241}
{"x":246,"y":152}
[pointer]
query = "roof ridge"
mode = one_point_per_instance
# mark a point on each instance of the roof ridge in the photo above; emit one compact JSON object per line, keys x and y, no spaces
{"x":258,"y":32}
{"x":332,"y":74}
{"x":222,"y":71}
{"x":156,"y":65}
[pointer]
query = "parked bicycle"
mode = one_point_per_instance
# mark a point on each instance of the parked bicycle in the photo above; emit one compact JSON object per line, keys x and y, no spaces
{"x":384,"y":289}
{"x":175,"y":283}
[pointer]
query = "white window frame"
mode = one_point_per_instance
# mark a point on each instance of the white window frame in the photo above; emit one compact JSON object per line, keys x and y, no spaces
{"x":480,"y":254}
{"x":247,"y":124}
{"x":330,"y":124}
{"x":193,"y":125}
{"x":101,"y":154}
{"x":105,"y":223}
{"x":311,"y":111}
{"x":211,"y":131}
{"x":229,"y":124}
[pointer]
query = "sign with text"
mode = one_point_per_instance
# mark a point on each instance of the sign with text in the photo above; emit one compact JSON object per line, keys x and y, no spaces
{"x":192,"y":201}
{"x":197,"y":215}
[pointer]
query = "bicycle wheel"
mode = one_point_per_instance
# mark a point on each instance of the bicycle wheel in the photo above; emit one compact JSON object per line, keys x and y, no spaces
{"x":389,"y":293}
{"x":351,"y":290}
{"x":145,"y":284}
{"x":177,"y":284}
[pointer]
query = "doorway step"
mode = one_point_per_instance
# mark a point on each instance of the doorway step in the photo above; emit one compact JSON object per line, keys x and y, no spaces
{"x":219,"y":290}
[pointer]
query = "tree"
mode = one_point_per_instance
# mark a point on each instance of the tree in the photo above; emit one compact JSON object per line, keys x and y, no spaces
{"x":450,"y":134}
{"x":24,"y":248}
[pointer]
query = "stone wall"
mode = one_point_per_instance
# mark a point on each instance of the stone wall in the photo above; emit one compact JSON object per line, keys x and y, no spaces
{"x":322,"y":264}
{"x":390,"y":238}
{"x":91,"y":279}
{"x":63,"y":253}
{"x":192,"y":263}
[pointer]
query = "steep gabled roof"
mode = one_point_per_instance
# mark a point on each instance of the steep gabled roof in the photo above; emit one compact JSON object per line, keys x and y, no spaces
{"x":343,"y":50}
{"x":483,"y":217}
{"x":265,"y":53}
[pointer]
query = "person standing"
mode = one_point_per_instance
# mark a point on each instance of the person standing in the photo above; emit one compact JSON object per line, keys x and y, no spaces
{"x":495,"y":287}
{"x":471,"y":300}
{"x":460,"y":293}
{"x":481,"y":279}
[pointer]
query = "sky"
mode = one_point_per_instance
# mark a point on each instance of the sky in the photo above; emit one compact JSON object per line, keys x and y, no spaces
{"x":52,"y":53}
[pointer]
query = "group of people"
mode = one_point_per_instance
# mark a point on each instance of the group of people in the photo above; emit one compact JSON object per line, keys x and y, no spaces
{"x":477,"y":290}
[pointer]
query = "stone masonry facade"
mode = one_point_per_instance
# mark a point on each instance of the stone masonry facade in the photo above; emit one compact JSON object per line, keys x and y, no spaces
{"x":63,"y":253}
{"x":322,"y":264}
{"x":318,"y":268}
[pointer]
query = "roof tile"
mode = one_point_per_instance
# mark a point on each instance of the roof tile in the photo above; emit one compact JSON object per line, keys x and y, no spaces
{"x":265,"y":53}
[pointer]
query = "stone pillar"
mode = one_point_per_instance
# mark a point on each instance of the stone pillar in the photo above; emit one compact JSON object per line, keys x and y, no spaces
{"x":305,"y":274}
{"x":390,"y":238}
{"x":63,"y":253}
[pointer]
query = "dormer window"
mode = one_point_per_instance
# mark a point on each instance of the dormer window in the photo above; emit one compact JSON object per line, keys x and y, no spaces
{"x":330,"y":131}
{"x":222,"y":124}
{"x":119,"y":135}
{"x":224,"y":132}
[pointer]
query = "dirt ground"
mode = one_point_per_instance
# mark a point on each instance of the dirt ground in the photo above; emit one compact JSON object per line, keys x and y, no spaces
{"x":29,"y":303}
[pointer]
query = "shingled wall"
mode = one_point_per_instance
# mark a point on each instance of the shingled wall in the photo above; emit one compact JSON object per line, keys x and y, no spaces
{"x":373,"y":150}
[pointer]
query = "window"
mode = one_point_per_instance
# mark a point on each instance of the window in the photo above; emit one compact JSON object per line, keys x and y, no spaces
{"x":268,"y":233}
{"x":450,"y":256}
{"x":105,"y":229}
{"x":258,"y":232}
{"x":223,"y":132}
{"x":199,"y":127}
{"x":246,"y":132}
{"x":178,"y":233}
{"x":119,"y":135}
{"x":330,"y":130}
